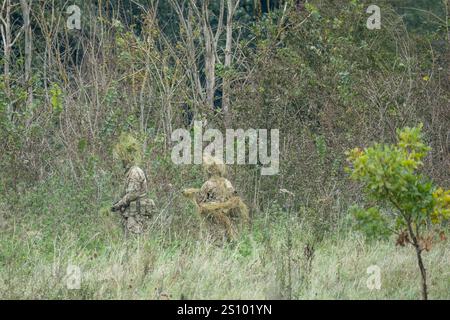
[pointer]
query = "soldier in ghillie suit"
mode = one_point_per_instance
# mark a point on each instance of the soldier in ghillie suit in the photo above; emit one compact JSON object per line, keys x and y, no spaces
{"x":134,"y":206}
{"x":217,"y":201}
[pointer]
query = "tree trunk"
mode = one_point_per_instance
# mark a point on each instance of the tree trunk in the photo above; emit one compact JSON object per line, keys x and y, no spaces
{"x":257,"y":9}
{"x":448,"y":39}
{"x":6,"y":36}
{"x":210,"y":58}
{"x":423,"y":272}
{"x":192,"y":60}
{"x":231,"y":6}
{"x":28,"y":50}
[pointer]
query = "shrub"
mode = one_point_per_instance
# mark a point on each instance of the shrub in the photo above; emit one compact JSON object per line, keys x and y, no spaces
{"x":390,"y":175}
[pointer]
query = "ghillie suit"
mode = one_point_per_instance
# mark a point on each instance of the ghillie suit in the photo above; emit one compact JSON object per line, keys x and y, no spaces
{"x":217,"y":201}
{"x":135,"y":207}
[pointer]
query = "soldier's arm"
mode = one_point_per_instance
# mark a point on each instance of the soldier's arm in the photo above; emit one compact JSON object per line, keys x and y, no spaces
{"x":191,"y":193}
{"x":205,"y":192}
{"x":230,"y":188}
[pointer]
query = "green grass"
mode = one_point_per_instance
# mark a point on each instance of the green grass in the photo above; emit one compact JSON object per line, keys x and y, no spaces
{"x":35,"y":251}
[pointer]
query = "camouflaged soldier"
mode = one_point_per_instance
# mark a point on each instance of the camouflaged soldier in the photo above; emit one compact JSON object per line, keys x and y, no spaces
{"x":134,"y":206}
{"x":217,"y":200}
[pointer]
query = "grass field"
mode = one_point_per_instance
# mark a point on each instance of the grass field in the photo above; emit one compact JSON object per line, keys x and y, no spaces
{"x":39,"y":258}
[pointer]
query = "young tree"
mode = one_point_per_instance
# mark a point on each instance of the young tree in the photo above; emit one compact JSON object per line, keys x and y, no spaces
{"x":203,"y":45}
{"x":231,"y":9}
{"x":5,"y":30}
{"x":6,"y":33}
{"x":390,"y":175}
{"x":201,"y":13}
{"x":26,"y":14}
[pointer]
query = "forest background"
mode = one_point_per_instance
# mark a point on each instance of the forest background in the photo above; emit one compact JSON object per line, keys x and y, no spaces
{"x":311,"y":69}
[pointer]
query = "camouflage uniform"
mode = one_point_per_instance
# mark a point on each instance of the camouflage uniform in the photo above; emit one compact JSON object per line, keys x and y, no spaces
{"x":218,"y":203}
{"x":139,"y":208}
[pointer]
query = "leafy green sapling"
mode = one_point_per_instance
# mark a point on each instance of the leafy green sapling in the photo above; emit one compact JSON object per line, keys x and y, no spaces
{"x":409,"y":204}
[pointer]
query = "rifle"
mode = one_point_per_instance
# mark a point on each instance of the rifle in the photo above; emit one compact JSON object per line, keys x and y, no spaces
{"x":121,"y":208}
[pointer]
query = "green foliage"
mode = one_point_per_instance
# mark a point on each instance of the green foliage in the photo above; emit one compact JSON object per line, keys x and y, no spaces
{"x":316,"y":73}
{"x":312,"y":9}
{"x":245,"y":247}
{"x":321,"y":146}
{"x":56,"y":98}
{"x":390,"y":175}
{"x":421,"y":16}
{"x":442,"y":205}
{"x":82,"y":144}
{"x":371,"y":222}
{"x":128,"y":149}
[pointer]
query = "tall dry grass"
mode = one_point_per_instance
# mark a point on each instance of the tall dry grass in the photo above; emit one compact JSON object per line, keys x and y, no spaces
{"x":35,"y":256}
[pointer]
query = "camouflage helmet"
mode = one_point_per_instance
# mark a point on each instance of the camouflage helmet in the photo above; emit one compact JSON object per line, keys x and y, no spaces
{"x":213,"y":166}
{"x":128,"y":149}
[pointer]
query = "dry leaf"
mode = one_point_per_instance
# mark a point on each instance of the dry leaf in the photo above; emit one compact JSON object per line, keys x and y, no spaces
{"x":426,"y":243}
{"x":402,"y":239}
